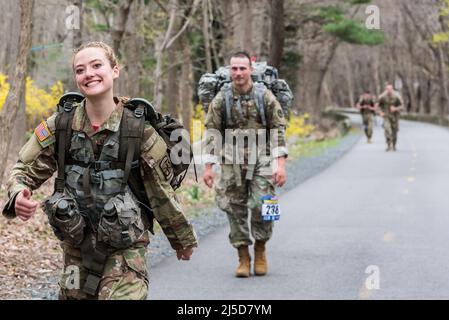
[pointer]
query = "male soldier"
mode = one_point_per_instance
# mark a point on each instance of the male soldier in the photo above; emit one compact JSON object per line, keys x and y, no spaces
{"x":95,"y":211}
{"x":389,"y":105}
{"x":366,"y":105}
{"x":242,"y":185}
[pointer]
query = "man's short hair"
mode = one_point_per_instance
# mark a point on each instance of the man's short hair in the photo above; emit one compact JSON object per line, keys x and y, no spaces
{"x":242,"y":54}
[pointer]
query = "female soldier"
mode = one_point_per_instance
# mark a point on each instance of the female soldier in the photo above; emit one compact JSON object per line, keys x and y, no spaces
{"x":103,"y":229}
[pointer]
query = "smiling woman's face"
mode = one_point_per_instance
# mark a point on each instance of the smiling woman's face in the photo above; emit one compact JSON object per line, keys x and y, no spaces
{"x":93,"y":72}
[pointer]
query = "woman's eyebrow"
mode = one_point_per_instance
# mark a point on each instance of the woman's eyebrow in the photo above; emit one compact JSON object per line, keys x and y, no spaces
{"x":80,"y":65}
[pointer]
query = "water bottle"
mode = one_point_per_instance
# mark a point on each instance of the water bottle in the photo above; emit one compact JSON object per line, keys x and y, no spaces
{"x":63,"y":210}
{"x":109,"y":212}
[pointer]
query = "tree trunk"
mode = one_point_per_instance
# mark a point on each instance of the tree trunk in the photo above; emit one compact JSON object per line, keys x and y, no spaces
{"x":119,"y":26}
{"x":206,"y":36}
{"x":247,"y":38}
{"x":186,"y":83}
{"x":277,"y":33}
{"x":9,"y":42}
{"x":132,"y":52}
{"x":11,"y":106}
{"x":172,"y":80}
{"x":442,"y":110}
{"x":78,"y":33}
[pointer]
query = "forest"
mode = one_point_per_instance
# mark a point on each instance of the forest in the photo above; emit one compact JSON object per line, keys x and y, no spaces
{"x":328,"y":51}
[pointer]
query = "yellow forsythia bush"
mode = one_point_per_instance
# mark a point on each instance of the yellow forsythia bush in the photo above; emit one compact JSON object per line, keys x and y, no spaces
{"x":197,"y":124}
{"x":39,"y":103}
{"x":298,"y":126}
{"x":4,"y":89}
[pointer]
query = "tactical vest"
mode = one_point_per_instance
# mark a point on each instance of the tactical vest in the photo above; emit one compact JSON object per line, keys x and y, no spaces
{"x":96,"y":203}
{"x":231,"y":121}
{"x":367,"y":102}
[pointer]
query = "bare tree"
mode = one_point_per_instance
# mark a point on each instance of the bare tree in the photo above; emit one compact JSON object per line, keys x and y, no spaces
{"x":10,"y":108}
{"x":206,"y":35}
{"x":277,"y":32}
{"x":167,"y":41}
{"x":186,"y":83}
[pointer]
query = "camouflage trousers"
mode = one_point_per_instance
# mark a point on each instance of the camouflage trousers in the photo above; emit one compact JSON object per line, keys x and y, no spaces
{"x":391,"y":128}
{"x":368,"y":119}
{"x":239,"y":199}
{"x":125,"y":275}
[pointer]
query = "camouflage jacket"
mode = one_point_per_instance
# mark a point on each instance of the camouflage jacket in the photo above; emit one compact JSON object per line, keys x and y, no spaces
{"x":248,"y":119}
{"x":364,"y":103}
{"x":385,"y":101}
{"x":37,"y":163}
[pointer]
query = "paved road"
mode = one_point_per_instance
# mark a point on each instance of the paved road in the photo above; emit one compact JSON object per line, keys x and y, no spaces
{"x":374,"y":225}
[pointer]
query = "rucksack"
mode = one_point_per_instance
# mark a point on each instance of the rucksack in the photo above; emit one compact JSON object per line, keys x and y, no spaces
{"x":136,"y":112}
{"x":264,"y":77}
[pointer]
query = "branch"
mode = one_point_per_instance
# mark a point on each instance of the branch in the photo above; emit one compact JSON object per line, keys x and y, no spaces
{"x":161,"y":6}
{"x":186,"y":24}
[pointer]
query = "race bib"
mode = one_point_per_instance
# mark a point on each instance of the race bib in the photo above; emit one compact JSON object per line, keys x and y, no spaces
{"x":270,"y":209}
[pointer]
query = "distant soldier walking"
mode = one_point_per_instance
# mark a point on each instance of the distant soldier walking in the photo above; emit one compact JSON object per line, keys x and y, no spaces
{"x":389,"y":106}
{"x":366,"y":105}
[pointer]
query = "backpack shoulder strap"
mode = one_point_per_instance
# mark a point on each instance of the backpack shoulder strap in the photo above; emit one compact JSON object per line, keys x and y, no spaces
{"x":63,"y":134}
{"x":226,"y":118}
{"x":259,"y":93}
{"x":131,"y":132}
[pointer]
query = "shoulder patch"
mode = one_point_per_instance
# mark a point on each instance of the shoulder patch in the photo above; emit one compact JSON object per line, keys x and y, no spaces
{"x":44,"y":135}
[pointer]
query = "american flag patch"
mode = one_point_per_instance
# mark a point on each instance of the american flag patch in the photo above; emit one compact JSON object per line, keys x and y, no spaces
{"x":42,"y":132}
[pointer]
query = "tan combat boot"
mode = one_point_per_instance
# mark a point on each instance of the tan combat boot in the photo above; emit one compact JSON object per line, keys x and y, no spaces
{"x":260,"y":260}
{"x":388,"y":147}
{"x":244,"y":267}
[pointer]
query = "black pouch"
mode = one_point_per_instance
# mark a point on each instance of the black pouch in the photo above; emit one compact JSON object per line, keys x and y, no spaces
{"x":65,"y":218}
{"x":121,"y":222}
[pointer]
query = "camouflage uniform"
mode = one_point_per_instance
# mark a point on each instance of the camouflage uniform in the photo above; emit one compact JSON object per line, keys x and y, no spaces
{"x":367,"y":114}
{"x":241,"y":186}
{"x":391,"y":119}
{"x":125,"y":274}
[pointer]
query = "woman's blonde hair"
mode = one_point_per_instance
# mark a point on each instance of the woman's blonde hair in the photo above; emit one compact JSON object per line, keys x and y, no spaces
{"x":98,"y":44}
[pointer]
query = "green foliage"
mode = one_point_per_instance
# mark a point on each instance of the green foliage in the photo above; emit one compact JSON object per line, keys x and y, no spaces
{"x":354,"y":32}
{"x":442,"y":37}
{"x":194,"y":193}
{"x":100,"y":27}
{"x":335,"y":23}
{"x":331,"y":14}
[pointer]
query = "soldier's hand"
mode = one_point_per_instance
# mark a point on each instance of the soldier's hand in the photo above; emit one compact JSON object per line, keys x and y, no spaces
{"x":279,"y":175}
{"x":184,"y":254}
{"x":25,"y":207}
{"x":208,"y":176}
